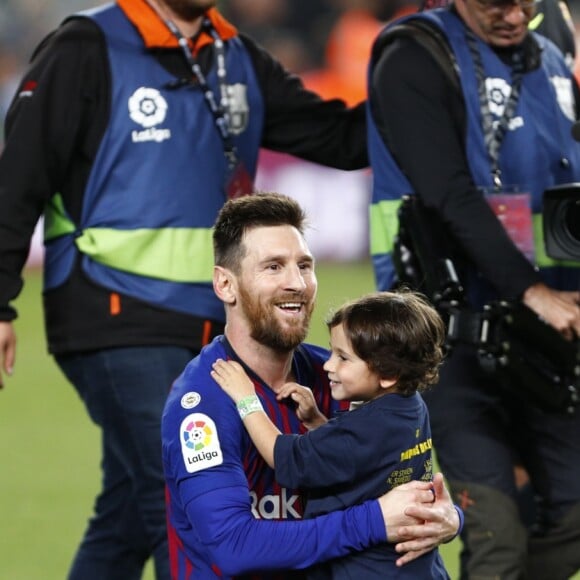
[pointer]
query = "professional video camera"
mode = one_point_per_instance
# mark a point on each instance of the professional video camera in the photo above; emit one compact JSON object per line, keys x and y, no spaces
{"x":519,"y":349}
{"x":561,"y":217}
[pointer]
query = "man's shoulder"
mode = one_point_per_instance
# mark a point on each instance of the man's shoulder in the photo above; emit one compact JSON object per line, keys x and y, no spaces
{"x":423,"y":35}
{"x":195,"y":380}
{"x":79,"y":25}
{"x":72,"y":34}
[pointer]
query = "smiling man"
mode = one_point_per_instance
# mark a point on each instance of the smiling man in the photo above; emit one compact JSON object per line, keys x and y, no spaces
{"x":227,"y":514}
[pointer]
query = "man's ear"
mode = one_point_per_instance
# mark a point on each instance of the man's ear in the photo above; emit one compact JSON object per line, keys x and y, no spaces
{"x":224,"y":284}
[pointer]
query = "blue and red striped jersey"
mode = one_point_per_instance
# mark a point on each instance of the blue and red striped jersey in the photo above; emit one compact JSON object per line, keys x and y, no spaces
{"x":227,"y":515}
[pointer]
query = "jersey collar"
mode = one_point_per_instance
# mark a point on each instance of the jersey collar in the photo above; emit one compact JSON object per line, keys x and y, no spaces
{"x":156,"y":35}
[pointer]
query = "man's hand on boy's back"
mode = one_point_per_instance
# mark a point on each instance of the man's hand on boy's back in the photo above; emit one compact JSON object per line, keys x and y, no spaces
{"x":419,"y":516}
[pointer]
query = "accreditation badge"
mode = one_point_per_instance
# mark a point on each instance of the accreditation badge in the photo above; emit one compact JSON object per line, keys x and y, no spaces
{"x":513,"y":209}
{"x":239,"y":181}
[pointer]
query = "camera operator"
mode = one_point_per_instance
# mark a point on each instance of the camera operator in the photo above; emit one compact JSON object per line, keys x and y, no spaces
{"x":479,"y":149}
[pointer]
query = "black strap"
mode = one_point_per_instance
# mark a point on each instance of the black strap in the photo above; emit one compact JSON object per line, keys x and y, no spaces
{"x":494,"y":133}
{"x":219,"y":110}
{"x":433,"y":41}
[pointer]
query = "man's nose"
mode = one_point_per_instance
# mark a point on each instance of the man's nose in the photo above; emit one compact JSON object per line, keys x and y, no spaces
{"x":295,"y":278}
{"x":514,"y":14}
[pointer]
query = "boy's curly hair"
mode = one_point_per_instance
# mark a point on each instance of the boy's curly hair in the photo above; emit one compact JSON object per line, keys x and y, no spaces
{"x":398,"y":334}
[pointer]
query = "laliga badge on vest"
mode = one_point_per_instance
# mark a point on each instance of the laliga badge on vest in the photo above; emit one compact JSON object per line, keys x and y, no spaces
{"x":565,"y":96}
{"x":190,"y":400}
{"x":200,"y":445}
{"x":148,"y":108}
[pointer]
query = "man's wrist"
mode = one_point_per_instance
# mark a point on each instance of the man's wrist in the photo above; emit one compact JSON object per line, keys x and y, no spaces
{"x":461,"y":521}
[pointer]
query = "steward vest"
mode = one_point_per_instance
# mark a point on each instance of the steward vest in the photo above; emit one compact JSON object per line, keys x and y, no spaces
{"x":157,"y":182}
{"x":538,"y":138}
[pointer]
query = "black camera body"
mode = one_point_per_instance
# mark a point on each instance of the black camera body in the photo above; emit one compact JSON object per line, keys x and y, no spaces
{"x":529,"y":357}
{"x":561,"y":217}
{"x":423,"y":253}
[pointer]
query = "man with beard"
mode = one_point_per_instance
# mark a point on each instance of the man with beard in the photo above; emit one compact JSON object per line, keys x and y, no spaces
{"x":132,"y":126}
{"x":221,"y":493}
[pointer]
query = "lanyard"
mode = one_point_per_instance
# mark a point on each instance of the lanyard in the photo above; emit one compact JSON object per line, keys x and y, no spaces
{"x":219,"y":110}
{"x":493,"y":136}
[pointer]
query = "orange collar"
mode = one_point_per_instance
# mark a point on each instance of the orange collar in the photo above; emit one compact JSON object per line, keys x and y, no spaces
{"x":156,"y":35}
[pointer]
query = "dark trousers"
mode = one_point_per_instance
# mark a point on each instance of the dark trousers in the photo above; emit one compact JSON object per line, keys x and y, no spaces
{"x":124,"y":391}
{"x":479,"y":431}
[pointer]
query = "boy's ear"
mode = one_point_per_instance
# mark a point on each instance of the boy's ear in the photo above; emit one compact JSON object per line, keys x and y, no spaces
{"x":224,"y":284}
{"x":387,"y":383}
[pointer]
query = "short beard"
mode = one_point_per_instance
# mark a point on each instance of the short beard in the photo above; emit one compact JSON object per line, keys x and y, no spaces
{"x":266,"y":330}
{"x":189,"y":9}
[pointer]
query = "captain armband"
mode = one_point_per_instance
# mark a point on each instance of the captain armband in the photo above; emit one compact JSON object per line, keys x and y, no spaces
{"x":248,"y":405}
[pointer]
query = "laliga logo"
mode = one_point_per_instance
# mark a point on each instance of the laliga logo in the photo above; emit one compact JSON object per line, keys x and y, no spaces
{"x":197,"y":435}
{"x":200,"y":445}
{"x":498,"y":94}
{"x":148,"y":108}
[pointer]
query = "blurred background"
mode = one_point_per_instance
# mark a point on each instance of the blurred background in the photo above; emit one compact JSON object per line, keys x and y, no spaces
{"x":310,"y":37}
{"x":326,"y":42}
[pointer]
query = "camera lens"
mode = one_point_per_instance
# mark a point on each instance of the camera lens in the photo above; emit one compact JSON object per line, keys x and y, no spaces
{"x":561,"y":217}
{"x":572,"y":219}
{"x":567,"y":227}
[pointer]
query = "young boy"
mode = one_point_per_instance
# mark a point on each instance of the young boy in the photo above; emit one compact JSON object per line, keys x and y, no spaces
{"x":384,"y":348}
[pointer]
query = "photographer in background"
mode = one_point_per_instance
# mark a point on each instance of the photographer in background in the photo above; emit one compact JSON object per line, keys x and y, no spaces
{"x":552,"y":19}
{"x":464,"y":143}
